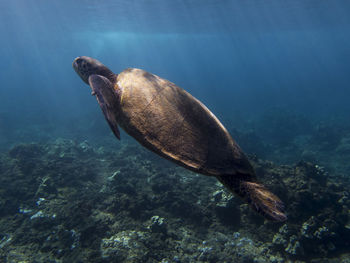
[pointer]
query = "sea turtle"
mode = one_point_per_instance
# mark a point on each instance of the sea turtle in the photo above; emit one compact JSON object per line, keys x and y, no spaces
{"x":172,"y":123}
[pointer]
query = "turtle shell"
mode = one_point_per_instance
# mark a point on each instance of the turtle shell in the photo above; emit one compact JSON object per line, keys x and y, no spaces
{"x":171,"y":122}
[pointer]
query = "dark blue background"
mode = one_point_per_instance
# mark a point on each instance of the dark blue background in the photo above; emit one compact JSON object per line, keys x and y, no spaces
{"x":238,"y":57}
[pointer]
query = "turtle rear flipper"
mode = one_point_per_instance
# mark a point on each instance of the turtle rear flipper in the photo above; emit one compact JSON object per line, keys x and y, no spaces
{"x":107,"y":98}
{"x":257,"y":195}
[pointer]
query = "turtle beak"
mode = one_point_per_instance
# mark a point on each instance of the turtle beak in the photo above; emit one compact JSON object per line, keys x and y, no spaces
{"x":78,"y":67}
{"x":75,"y":64}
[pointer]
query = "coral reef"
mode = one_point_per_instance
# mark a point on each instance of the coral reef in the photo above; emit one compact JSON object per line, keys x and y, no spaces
{"x":70,"y":202}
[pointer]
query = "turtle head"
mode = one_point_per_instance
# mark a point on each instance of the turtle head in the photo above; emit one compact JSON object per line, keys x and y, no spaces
{"x":86,"y":66}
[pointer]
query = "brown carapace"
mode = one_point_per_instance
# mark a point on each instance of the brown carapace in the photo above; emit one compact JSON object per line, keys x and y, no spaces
{"x":172,"y":123}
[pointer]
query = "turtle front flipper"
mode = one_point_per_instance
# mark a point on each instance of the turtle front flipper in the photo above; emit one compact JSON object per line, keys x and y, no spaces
{"x":257,"y":195}
{"x":108,"y":100}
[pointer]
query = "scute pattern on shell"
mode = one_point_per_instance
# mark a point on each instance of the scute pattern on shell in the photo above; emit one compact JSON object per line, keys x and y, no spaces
{"x":171,"y":122}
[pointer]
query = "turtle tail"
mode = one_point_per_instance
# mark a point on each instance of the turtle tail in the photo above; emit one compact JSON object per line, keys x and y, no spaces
{"x":257,"y":195}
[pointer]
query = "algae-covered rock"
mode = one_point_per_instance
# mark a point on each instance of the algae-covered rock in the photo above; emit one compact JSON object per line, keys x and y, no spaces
{"x":126,"y":246}
{"x":316,"y":224}
{"x":67,"y":202}
{"x":158,"y":225}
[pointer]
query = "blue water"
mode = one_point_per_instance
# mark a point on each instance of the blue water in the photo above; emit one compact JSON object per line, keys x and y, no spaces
{"x":238,"y":57}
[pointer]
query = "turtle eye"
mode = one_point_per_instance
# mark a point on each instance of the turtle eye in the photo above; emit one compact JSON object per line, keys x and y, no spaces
{"x":79,"y":61}
{"x":82,"y":64}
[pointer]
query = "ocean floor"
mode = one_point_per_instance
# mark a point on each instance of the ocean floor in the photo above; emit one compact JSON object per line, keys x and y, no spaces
{"x":67,"y":201}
